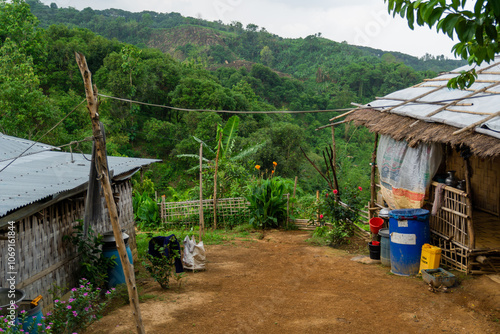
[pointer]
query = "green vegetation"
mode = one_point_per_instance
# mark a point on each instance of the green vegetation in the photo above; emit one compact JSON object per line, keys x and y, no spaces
{"x":477,"y":30}
{"x":167,"y":59}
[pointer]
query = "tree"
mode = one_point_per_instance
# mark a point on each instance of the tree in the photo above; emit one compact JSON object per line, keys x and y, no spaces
{"x":266,"y":55}
{"x":477,"y":30}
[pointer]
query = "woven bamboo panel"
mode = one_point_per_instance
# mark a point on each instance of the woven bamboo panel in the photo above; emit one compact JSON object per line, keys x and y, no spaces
{"x":451,"y":220}
{"x":188,"y":212}
{"x":453,"y":255}
{"x":485,"y":180}
{"x":43,"y":258}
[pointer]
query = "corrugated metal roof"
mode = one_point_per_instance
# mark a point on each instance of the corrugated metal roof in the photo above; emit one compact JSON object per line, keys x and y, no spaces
{"x":38,"y":176}
{"x":11,"y":147}
{"x":432,"y":101}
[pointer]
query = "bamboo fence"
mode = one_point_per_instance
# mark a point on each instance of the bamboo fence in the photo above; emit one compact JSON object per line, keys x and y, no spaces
{"x":229,"y":210}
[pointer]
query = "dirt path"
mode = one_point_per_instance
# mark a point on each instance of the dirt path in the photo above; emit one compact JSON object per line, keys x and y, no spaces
{"x":282,"y":285}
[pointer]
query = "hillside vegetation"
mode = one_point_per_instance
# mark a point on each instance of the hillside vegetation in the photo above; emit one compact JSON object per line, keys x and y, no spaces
{"x":167,"y":59}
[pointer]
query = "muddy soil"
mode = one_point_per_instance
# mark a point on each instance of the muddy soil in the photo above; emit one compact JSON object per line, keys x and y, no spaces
{"x":281,"y":284}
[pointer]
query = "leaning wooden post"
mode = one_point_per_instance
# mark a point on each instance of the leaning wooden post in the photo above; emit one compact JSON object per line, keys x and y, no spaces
{"x":102,"y":170}
{"x":202,"y":223}
{"x":215,"y":180}
{"x":371,"y":209}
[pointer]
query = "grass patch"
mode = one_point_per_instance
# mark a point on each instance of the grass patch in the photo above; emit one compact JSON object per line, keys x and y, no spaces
{"x":216,"y":237}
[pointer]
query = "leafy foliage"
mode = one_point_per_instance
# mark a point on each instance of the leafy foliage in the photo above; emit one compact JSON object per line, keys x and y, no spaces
{"x":161,"y":268}
{"x":477,"y":30}
{"x":85,"y":305}
{"x":93,"y":263}
{"x":267,"y":203}
{"x":145,"y":210}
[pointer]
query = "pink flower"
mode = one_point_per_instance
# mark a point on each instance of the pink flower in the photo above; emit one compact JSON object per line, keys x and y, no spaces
{"x":326,"y":194}
{"x":360,"y":188}
{"x":320,"y":216}
{"x":335,"y":191}
{"x":68,"y":307}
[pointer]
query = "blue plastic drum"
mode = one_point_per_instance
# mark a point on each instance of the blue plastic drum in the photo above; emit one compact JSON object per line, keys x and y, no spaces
{"x":115,"y":273}
{"x":409,"y":230}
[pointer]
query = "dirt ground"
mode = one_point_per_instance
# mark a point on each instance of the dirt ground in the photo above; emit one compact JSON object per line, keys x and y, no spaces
{"x":281,"y":284}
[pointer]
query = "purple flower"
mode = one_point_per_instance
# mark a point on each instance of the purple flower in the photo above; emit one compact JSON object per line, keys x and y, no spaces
{"x":56,"y":301}
{"x":68,"y":307}
{"x":85,"y":294}
{"x":74,"y":289}
{"x":23,"y":311}
{"x":75,"y":314}
{"x":71,"y":300}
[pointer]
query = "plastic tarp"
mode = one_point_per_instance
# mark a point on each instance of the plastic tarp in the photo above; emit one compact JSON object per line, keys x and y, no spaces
{"x":194,"y":254}
{"x":406,"y":172}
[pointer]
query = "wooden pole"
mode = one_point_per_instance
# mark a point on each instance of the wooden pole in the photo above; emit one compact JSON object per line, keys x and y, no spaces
{"x":102,"y":169}
{"x":334,"y":148}
{"x":371,"y":213}
{"x":202,"y":223}
{"x":295,"y":186}
{"x":468,"y":201}
{"x":317,"y":202}
{"x":215,"y":180}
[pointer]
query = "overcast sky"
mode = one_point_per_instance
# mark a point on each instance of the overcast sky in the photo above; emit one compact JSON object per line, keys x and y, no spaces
{"x":359,"y":22}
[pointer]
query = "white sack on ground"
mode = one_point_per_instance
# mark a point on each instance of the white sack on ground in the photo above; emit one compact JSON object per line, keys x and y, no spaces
{"x":194,"y":254}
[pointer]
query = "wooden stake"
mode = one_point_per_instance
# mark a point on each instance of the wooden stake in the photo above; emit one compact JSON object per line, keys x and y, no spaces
{"x":102,"y":169}
{"x":295,"y":186}
{"x":371,"y":213}
{"x":215,"y":180}
{"x":468,"y":201}
{"x":202,"y":223}
{"x":317,"y":201}
{"x":334,"y":149}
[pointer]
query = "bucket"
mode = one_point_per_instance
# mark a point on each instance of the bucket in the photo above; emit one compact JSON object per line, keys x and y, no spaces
{"x":115,"y":273}
{"x":376,"y":224}
{"x":385,"y":247}
{"x":409,"y":231}
{"x":33,"y":317}
{"x":6,"y":296}
{"x":374,"y":251}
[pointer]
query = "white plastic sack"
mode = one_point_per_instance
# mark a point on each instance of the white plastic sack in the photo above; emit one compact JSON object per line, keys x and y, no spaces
{"x":194,"y":254}
{"x":406,"y":172}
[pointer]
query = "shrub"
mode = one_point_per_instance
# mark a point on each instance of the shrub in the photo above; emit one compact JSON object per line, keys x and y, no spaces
{"x":267,"y":203}
{"x":94,"y":264}
{"x":145,"y":211}
{"x":161,"y":267}
{"x":84,"y":306}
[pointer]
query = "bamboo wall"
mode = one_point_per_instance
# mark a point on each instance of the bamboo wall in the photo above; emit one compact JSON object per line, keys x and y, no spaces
{"x":43,"y":258}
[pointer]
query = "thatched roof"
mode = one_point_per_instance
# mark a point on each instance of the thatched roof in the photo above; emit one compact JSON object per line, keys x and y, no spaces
{"x":415,"y":132}
{"x":430,"y":112}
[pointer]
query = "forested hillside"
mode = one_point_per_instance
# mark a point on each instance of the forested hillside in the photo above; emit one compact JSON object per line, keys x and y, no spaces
{"x":170,"y":60}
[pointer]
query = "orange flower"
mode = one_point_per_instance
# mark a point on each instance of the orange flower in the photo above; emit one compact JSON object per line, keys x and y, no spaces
{"x":275,"y":163}
{"x":272,"y":172}
{"x":257,"y":167}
